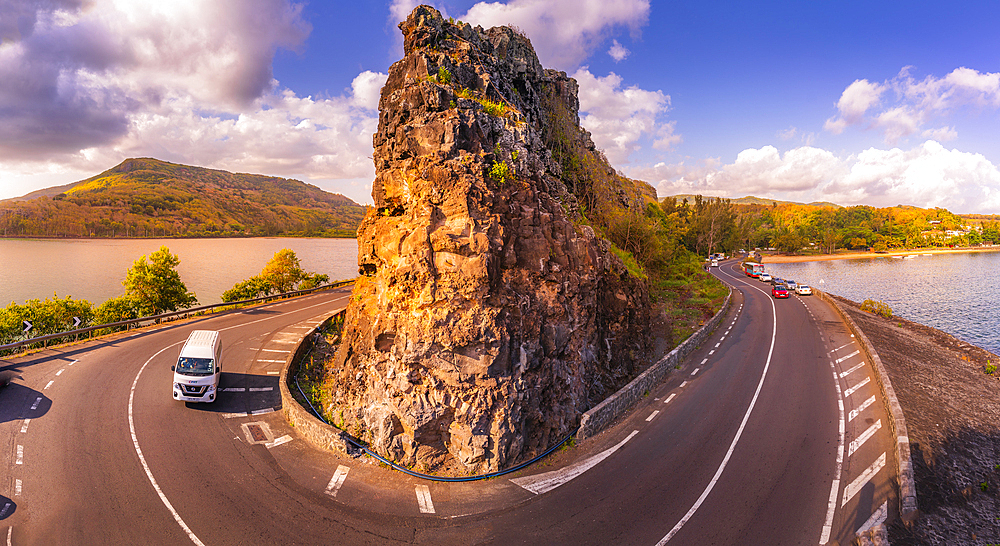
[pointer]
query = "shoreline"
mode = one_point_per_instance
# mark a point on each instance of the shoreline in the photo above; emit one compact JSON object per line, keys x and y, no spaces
{"x":785,"y":259}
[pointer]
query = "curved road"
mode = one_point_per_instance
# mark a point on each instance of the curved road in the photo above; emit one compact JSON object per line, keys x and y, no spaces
{"x":739,"y":446}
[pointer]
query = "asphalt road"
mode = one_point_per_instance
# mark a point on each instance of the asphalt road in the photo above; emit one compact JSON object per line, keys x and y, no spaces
{"x":739,"y":446}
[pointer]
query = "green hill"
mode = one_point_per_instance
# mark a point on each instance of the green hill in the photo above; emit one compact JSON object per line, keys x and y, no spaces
{"x":151,"y":198}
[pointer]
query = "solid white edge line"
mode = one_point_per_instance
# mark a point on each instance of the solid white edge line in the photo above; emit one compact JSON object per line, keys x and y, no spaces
{"x":831,"y":507}
{"x":547,"y":481}
{"x":739,"y":432}
{"x":142,"y":459}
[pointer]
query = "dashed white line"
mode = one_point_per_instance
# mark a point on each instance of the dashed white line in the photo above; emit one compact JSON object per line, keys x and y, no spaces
{"x":669,"y":398}
{"x":717,"y":344}
{"x":17,"y":488}
{"x":337,"y":480}
{"x":703,"y":362}
{"x":695,"y":372}
{"x":652,"y":415}
{"x":857,"y":411}
{"x":279,"y":441}
{"x":712,"y":352}
{"x":35,"y":405}
{"x":262,"y":411}
{"x":843,"y":358}
{"x":859,"y":482}
{"x":275,"y":351}
{"x":860,"y":440}
{"x":682,"y":385}
{"x":852,"y":370}
{"x":73,"y":362}
{"x":20,"y":455}
{"x":273,"y":373}
{"x":60,"y":372}
{"x":49,"y":385}
{"x":272,"y":361}
{"x":24,"y":427}
{"x":855,"y":388}
{"x":261,"y":389}
{"x":424,"y":499}
{"x":3,"y":511}
{"x":234,"y":389}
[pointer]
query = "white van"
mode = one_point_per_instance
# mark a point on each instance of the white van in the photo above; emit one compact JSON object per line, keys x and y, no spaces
{"x":199,"y":366}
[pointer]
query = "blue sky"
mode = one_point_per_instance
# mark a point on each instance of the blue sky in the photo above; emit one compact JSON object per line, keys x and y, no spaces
{"x":872,"y":102}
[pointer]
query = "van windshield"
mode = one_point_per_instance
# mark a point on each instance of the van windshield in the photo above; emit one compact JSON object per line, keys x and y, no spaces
{"x":195,"y":366}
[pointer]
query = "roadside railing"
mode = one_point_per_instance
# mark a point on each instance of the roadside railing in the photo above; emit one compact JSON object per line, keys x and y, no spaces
{"x":155,"y":319}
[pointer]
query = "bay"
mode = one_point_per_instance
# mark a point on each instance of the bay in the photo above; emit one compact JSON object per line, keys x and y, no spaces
{"x":93,"y":269}
{"x":955,"y":293}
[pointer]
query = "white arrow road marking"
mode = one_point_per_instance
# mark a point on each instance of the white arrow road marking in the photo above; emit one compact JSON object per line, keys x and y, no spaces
{"x":855,"y":388}
{"x":857,"y":411}
{"x":542,"y":483}
{"x":878,"y":518}
{"x":860,"y":440}
{"x":337,"y":480}
{"x":859,"y":482}
{"x":852,"y":370}
{"x":424,"y":499}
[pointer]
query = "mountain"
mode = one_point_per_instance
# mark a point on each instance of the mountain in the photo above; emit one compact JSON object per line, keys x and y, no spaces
{"x":750,"y":200}
{"x":151,"y":198}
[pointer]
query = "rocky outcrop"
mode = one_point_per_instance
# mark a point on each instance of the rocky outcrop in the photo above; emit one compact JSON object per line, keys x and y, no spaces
{"x":488,"y":314}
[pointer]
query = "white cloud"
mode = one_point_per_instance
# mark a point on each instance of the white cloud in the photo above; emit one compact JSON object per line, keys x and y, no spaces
{"x":617,"y":118}
{"x":563,"y":32}
{"x":618,"y":52}
{"x":928,"y":175}
{"x":916,"y":102}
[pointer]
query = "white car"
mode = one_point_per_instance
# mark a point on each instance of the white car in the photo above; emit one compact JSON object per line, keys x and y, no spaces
{"x":764,"y":277}
{"x":715,"y":263}
{"x":803,"y":290}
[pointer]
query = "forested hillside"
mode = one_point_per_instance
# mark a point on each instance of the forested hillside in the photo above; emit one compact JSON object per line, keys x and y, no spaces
{"x":151,"y":198}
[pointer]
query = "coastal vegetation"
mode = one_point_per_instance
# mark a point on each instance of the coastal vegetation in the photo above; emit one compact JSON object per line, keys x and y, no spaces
{"x":282,"y":273}
{"x":151,"y":198}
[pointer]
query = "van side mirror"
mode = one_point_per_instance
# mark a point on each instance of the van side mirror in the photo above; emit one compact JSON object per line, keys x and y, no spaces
{"x":171,"y":368}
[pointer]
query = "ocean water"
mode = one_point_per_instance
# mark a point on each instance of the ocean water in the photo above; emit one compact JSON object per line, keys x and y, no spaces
{"x":93,"y":269}
{"x":955,"y":293}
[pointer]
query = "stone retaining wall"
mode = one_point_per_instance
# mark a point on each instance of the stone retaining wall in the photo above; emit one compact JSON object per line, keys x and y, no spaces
{"x":897,"y":422}
{"x":600,"y":416}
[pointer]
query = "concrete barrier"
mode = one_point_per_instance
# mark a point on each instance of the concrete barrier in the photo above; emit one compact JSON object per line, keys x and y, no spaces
{"x":904,"y":463}
{"x":600,"y":416}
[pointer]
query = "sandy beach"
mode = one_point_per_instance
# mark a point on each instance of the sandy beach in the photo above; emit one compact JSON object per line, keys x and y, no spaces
{"x":785,"y":259}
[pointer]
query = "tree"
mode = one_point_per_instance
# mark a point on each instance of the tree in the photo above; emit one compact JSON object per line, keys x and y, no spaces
{"x":281,"y":274}
{"x":155,"y":287}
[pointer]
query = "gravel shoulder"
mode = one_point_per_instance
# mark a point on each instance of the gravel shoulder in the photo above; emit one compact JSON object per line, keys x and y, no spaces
{"x":952,"y":410}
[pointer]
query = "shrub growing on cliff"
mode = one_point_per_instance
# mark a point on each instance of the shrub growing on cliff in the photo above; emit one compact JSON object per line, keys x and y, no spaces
{"x":443,"y":75}
{"x":879,"y":308}
{"x":500,"y":171}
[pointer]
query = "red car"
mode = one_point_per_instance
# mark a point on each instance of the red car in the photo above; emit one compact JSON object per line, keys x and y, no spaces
{"x":779,"y":291}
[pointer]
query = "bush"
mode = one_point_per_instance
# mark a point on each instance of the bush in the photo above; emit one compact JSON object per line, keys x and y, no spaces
{"x":443,"y":75}
{"x":501,"y":172}
{"x":879,"y":308}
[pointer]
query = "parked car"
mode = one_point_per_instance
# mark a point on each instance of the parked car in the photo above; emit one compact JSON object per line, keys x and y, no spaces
{"x":764,"y":277}
{"x":779,"y":291}
{"x":803,"y":290}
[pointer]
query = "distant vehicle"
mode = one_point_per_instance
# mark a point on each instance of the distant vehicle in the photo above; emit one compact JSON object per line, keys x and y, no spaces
{"x":803,"y":290}
{"x":777,"y":280}
{"x":753,"y":269}
{"x":764,"y":277}
{"x":198,"y":368}
{"x":715,"y":263}
{"x":779,"y":291}
{"x":790,"y":284}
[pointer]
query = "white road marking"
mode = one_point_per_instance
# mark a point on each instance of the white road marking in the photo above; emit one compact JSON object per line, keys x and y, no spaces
{"x":723,"y":337}
{"x":278,"y":441}
{"x":545,"y":482}
{"x":857,"y":411}
{"x":843,"y":358}
{"x":231,"y":415}
{"x":262,"y":411}
{"x":73,"y":362}
{"x":682,"y":385}
{"x":651,"y":415}
{"x":20,"y":455}
{"x":859,"y":482}
{"x":424,"y":499}
{"x":852,"y":370}
{"x":878,"y":518}
{"x":704,"y":361}
{"x":669,"y":398}
{"x":275,"y":351}
{"x":17,"y":488}
{"x":234,"y":389}
{"x":273,"y":373}
{"x":864,"y":437}
{"x":712,"y":352}
{"x":695,"y":372}
{"x":10,"y":531}
{"x":337,"y":480}
{"x":855,"y":388}
{"x":276,"y":361}
{"x":35,"y":405}
{"x":60,"y":372}
{"x":717,"y":344}
{"x":142,"y":458}
{"x":3,"y":512}
{"x":841,"y":347}
{"x":261,"y":389}
{"x":49,"y":385}
{"x":24,"y":427}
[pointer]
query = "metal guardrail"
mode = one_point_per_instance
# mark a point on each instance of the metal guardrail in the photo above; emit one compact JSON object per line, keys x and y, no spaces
{"x":157,"y":318}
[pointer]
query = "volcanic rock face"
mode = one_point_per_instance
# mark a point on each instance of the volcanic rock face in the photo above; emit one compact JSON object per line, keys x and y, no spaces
{"x":488,"y":315}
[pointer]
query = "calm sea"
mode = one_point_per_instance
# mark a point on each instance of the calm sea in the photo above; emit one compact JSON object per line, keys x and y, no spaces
{"x":93,"y":269}
{"x":956,"y":293}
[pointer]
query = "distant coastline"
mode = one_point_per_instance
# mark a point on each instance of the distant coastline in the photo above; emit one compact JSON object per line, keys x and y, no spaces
{"x":786,"y":259}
